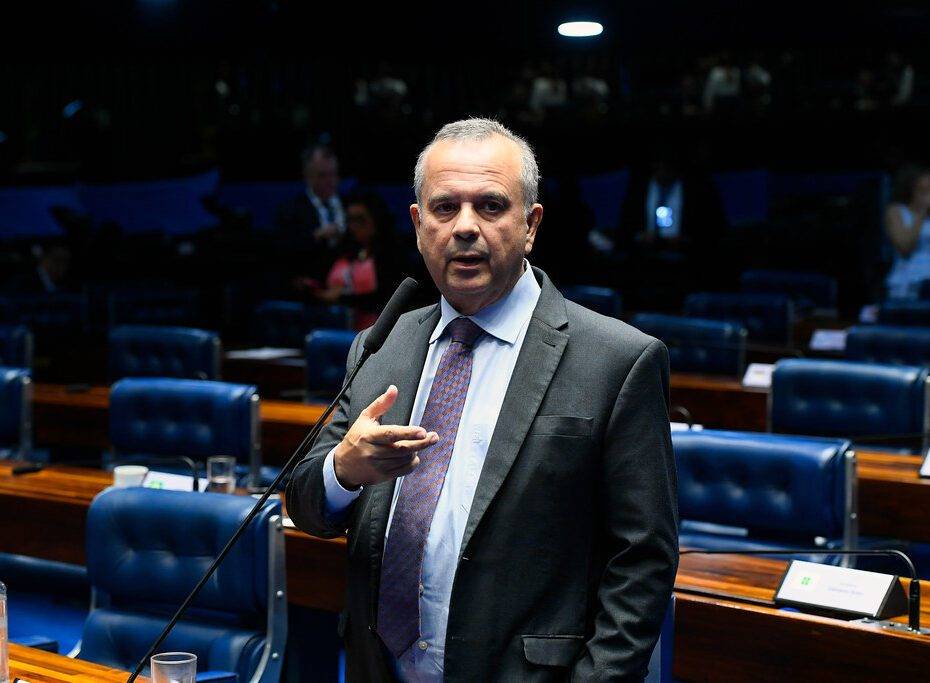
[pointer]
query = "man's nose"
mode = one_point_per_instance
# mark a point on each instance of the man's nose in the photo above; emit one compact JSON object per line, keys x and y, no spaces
{"x":466,"y":223}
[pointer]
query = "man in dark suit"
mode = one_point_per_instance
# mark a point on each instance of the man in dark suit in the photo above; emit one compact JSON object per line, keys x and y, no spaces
{"x":503,"y":465}
{"x":313,"y":222}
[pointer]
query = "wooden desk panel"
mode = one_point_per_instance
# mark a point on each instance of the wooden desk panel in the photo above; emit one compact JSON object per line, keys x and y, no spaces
{"x":720,"y":403}
{"x":893,"y":499}
{"x":37,"y":666}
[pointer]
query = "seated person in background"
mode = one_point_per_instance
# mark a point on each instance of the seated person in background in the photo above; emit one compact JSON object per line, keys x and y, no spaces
{"x":314,"y":220}
{"x":50,"y":274}
{"x":366,"y":269}
{"x":907,"y":225}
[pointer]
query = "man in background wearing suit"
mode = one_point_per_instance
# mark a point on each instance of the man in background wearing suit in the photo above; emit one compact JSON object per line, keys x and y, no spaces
{"x":502,"y":466}
{"x":314,"y":221}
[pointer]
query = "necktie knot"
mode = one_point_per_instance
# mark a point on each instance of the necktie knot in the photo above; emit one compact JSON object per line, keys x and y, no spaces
{"x":464,"y":331}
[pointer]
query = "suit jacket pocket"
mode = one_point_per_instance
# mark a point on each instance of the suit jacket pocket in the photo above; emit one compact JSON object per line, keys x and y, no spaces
{"x":552,"y":650}
{"x":562,"y":425}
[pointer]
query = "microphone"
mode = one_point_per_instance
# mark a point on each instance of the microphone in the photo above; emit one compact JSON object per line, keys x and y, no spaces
{"x":376,"y":336}
{"x":913,"y":600}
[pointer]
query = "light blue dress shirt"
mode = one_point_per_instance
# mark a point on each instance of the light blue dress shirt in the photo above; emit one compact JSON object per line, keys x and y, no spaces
{"x":495,"y":354}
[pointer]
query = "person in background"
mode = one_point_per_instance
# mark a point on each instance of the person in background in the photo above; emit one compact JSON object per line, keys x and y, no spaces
{"x":907,"y":225}
{"x":366,"y":269}
{"x":50,"y":275}
{"x":314,"y":221}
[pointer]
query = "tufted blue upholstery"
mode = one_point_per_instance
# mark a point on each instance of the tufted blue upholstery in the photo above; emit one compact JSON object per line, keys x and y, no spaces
{"x":326,"y":353}
{"x":806,"y":289}
{"x":604,"y":300}
{"x":287,"y":323}
{"x":15,"y":410}
{"x":767,"y":317}
{"x":47,"y":601}
{"x":784,"y":490}
{"x":696,"y":345}
{"x":16,"y":345}
{"x":889,"y":344}
{"x":848,"y":399}
{"x":145,"y":551}
{"x":909,"y":313}
{"x":151,"y":351}
{"x":196,"y":418}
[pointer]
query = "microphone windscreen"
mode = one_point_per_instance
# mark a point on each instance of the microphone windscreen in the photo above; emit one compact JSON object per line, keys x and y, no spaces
{"x":398,"y":303}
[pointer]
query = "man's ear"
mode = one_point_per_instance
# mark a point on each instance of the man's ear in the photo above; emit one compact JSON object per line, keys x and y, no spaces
{"x":533,"y":219}
{"x":415,"y":218}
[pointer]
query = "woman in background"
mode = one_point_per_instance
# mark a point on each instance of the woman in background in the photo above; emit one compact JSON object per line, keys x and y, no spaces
{"x":907,"y":225}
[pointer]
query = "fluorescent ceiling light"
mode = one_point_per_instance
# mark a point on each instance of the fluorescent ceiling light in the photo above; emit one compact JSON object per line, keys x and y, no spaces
{"x":580,"y":29}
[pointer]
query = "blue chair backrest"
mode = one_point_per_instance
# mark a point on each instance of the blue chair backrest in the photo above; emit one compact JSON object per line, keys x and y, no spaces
{"x":889,"y":344}
{"x":907,"y":313}
{"x":153,"y":307}
{"x":326,"y":353}
{"x":810,"y":290}
{"x":146,"y":550}
{"x":767,"y":317}
{"x":16,"y":346}
{"x":849,"y":399}
{"x":604,"y":300}
{"x":51,"y":313}
{"x":287,"y":323}
{"x":16,"y":410}
{"x":785,"y":490}
{"x":194,"y":418}
{"x":696,"y":345}
{"x":152,"y":351}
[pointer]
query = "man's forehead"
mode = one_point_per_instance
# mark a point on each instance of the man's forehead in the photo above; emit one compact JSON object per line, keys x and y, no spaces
{"x":492,"y":161}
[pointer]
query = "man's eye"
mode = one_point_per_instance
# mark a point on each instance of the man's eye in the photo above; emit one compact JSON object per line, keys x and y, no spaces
{"x":445,"y":207}
{"x":493,"y":207}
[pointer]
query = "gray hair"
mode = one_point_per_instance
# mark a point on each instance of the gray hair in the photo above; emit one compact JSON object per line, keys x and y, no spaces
{"x":476,"y":129}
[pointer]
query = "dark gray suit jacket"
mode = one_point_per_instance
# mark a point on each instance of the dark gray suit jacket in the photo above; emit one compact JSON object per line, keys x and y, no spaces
{"x":571,"y":546}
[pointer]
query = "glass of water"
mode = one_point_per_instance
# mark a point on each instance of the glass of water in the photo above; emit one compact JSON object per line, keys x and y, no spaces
{"x":174,"y":667}
{"x":221,"y":474}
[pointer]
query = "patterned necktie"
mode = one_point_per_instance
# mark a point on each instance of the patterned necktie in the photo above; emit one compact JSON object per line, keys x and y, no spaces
{"x":398,"y":600}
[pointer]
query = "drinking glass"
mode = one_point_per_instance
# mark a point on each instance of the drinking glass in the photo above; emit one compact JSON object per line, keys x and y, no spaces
{"x":174,"y":667}
{"x":221,"y":474}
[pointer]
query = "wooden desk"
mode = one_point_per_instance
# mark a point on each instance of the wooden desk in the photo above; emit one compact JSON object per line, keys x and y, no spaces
{"x":728,"y":629}
{"x":81,"y":419}
{"x":37,"y":666}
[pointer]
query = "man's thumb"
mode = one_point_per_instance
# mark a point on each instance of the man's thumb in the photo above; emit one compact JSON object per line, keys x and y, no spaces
{"x":382,"y":404}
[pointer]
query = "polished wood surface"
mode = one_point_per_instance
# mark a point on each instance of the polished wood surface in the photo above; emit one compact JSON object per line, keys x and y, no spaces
{"x":63,"y":416}
{"x":727,"y":628}
{"x":893,"y":499}
{"x":37,"y":666}
{"x":720,"y":402}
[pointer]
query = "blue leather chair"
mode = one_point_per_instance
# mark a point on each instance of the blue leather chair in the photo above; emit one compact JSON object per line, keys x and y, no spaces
{"x":752,"y":491}
{"x":808,"y":290}
{"x":604,"y":300}
{"x":15,"y":413}
{"x":193,"y":418}
{"x":145,"y":551}
{"x":905,"y":313}
{"x":47,"y":602}
{"x":326,"y":354}
{"x":696,"y":345}
{"x":153,"y":307}
{"x":16,"y":346}
{"x":152,"y":351}
{"x":889,"y":344}
{"x":767,"y":317}
{"x":287,"y":323}
{"x":849,"y":399}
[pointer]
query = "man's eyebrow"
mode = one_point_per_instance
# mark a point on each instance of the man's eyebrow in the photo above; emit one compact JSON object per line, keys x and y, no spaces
{"x":495,"y":196}
{"x":441,"y":197}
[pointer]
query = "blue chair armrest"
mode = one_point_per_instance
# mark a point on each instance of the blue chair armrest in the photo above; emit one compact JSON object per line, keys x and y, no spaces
{"x":218,"y":677}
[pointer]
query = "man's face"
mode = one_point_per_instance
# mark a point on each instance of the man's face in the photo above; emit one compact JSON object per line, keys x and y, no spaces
{"x":322,"y":175}
{"x":471,"y":226}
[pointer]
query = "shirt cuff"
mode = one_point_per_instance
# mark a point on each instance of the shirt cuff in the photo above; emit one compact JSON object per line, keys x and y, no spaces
{"x":338,"y":498}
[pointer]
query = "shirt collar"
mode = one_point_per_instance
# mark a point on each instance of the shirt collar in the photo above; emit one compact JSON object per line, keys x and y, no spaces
{"x":505,"y":317}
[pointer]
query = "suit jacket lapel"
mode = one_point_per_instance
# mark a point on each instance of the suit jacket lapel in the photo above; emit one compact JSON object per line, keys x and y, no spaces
{"x":539,"y":357}
{"x":405,"y":374}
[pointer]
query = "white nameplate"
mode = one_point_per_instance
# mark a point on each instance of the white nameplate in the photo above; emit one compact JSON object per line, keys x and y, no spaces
{"x":172,"y":482}
{"x":758,"y":375}
{"x":925,"y":467}
{"x":824,"y":586}
{"x":683,"y":427}
{"x":828,"y":340}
